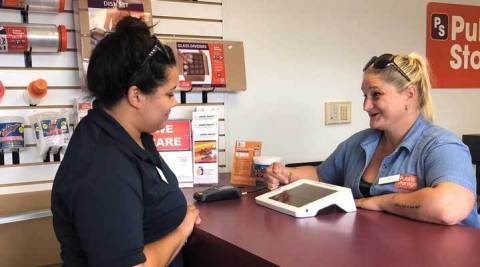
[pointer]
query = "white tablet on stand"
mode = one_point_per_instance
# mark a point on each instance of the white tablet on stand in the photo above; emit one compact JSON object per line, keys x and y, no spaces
{"x":304,"y":198}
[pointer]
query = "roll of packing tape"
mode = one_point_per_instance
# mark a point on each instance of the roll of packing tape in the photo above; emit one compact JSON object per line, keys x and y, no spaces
{"x":19,"y":38}
{"x":36,"y":91}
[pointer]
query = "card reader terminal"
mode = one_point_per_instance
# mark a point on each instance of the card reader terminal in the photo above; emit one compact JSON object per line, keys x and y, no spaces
{"x":219,"y":192}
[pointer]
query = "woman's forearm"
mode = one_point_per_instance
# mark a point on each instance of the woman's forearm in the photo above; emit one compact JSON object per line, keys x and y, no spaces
{"x":446,"y":203}
{"x":163,"y":251}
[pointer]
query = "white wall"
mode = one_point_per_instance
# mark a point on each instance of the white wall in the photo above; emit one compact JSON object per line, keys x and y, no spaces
{"x":302,"y":53}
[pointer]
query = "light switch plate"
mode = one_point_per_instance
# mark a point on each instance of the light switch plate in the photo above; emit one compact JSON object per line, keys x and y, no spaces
{"x":338,"y":112}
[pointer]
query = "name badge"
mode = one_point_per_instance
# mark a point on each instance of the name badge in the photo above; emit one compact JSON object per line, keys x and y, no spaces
{"x":161,"y":175}
{"x":389,"y":179}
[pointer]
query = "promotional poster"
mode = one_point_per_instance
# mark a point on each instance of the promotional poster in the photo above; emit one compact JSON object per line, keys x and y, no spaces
{"x":174,"y":143}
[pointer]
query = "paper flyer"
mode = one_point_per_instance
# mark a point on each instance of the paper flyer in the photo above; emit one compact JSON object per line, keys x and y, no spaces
{"x":201,"y":64}
{"x":242,"y":162}
{"x":205,"y":145}
{"x":174,"y":144}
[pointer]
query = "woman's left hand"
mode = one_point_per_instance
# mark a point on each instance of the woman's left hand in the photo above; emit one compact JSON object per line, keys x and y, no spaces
{"x":369,"y":203}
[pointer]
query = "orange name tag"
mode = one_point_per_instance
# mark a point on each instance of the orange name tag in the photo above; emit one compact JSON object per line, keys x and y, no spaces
{"x":407,"y":182}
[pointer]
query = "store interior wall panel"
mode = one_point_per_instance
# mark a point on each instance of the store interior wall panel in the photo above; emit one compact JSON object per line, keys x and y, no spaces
{"x":28,"y":173}
{"x":68,"y":5}
{"x":186,"y":10}
{"x":22,"y":244}
{"x":54,"y":97}
{"x":30,"y":242}
{"x":54,"y":77}
{"x":63,"y":18}
{"x":187,"y":27}
{"x":27,"y":155}
{"x":9,"y":191}
{"x":66,"y":59}
{"x":213,"y":97}
{"x":71,"y":43}
{"x":24,"y":202}
{"x":27,"y":111}
{"x":185,"y":111}
{"x":209,"y":1}
{"x":8,"y":15}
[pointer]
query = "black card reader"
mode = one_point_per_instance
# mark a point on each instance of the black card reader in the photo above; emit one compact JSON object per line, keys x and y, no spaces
{"x":219,"y":192}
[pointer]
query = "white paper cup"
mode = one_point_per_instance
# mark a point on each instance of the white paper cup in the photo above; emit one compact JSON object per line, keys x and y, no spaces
{"x":261,"y":163}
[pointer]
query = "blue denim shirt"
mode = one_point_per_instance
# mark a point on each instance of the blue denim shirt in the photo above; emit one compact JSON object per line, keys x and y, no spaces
{"x":427,"y":153}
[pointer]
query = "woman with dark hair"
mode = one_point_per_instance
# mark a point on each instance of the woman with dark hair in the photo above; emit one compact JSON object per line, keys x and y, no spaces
{"x":115,"y":202}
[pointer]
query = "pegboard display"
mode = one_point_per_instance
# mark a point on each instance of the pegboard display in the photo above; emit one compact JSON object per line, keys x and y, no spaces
{"x":175,"y":19}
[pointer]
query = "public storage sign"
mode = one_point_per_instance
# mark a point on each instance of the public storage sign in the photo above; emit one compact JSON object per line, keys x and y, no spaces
{"x":453,"y":45}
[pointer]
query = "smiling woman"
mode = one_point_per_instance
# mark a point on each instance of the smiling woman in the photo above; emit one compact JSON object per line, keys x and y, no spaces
{"x":403,"y":164}
{"x":115,"y":202}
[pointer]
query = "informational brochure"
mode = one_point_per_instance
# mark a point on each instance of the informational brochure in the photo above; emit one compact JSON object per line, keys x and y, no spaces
{"x":174,"y":143}
{"x":242,"y":162}
{"x":205,"y":146}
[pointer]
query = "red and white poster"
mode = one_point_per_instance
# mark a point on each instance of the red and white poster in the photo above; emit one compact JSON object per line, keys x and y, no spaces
{"x":174,"y":143}
{"x":453,"y":45}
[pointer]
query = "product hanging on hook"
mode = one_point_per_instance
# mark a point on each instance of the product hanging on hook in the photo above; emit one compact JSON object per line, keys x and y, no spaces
{"x":35,"y":92}
{"x":42,"y":6}
{"x":19,"y":37}
{"x":12,"y":136}
{"x":51,"y":132}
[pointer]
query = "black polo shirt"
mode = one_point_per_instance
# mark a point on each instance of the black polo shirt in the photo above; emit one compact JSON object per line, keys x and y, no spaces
{"x":108,"y":199}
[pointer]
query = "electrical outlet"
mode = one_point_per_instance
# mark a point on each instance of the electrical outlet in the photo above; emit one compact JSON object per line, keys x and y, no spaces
{"x":338,"y":112}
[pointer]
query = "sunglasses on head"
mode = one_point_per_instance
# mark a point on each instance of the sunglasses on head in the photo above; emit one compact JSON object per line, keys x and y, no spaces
{"x":383,"y":61}
{"x":157,"y":47}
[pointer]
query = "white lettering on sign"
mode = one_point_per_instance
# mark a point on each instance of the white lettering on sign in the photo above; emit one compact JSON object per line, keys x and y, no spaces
{"x":437,"y":24}
{"x":469,"y":59}
{"x":168,"y":129}
{"x":119,"y":4}
{"x":471,"y":30}
{"x":169,"y":141}
{"x":462,"y":56}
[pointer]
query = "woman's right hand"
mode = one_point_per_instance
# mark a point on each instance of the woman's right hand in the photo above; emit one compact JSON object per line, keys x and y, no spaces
{"x":277,"y":174}
{"x":191,"y":219}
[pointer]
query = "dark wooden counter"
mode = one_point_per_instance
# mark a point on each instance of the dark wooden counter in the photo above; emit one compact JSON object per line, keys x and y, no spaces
{"x":241,"y":233}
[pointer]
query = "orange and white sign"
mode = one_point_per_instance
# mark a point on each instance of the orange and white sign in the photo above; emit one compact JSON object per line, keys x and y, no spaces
{"x":453,"y":45}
